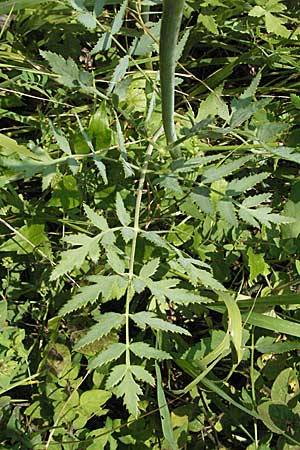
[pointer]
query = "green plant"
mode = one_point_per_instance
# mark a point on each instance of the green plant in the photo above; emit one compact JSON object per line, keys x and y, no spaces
{"x":124,"y":270}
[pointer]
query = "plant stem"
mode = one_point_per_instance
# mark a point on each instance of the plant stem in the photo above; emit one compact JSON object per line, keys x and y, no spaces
{"x":138,"y":202}
{"x":170,"y":26}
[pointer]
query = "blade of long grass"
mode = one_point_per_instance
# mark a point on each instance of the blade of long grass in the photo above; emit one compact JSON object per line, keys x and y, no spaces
{"x":164,"y":412}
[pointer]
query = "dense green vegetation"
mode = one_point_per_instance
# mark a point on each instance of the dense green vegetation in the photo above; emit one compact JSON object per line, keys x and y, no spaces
{"x":147,"y":301}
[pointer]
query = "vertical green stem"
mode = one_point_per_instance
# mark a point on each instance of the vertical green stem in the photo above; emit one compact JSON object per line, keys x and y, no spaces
{"x":170,"y":26}
{"x":136,"y":227}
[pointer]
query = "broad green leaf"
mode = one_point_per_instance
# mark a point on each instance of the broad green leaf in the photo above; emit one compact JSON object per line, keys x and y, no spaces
{"x":67,"y":70}
{"x":213,"y":105}
{"x":99,"y":127}
{"x":9,"y":147}
{"x":165,"y":289}
{"x":111,"y":286}
{"x":28,"y":238}
{"x":250,"y":91}
{"x":130,"y":391}
{"x":164,"y":412}
{"x":257,"y":265}
{"x":61,"y":140}
{"x":101,"y":168}
{"x":227,"y":212}
{"x":119,"y":73}
{"x":115,"y":262}
{"x":122,"y":214}
{"x":209,"y":23}
{"x":142,"y":374}
{"x":16,"y":5}
{"x":292,"y":209}
{"x":97,"y":220}
{"x":87,"y":19}
{"x":66,"y":194}
{"x":285,"y":386}
{"x":115,"y":376}
{"x":154,"y":237}
{"x":87,"y":295}
{"x":257,"y":11}
{"x":149,"y":268}
{"x":146,"y":42}
{"x":91,"y":401}
{"x":274,"y":24}
{"x":208,"y":280}
{"x":127,"y":234}
{"x":201,"y":197}
{"x":242,"y":110}
{"x":240,"y":185}
{"x":268,"y":344}
{"x":74,"y":258}
{"x":145,"y":318}
{"x":107,"y":322}
{"x":98,"y":7}
{"x":143,"y":350}
{"x":277,"y":416}
{"x":113,"y":352}
{"x":216,"y":173}
{"x":118,"y":21}
{"x":235,"y":328}
{"x":273,"y":323}
{"x":103,"y":44}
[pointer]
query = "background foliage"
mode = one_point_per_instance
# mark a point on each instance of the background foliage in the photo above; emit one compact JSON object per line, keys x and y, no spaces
{"x":149,"y":303}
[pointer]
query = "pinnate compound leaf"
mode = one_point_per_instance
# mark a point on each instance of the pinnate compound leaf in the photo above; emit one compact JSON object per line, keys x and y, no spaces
{"x":122,"y":214}
{"x":143,"y":350}
{"x":130,"y":391}
{"x":142,"y":374}
{"x":108,"y":322}
{"x":113,"y":352}
{"x":149,"y":268}
{"x":97,"y":220}
{"x":144,"y":318}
